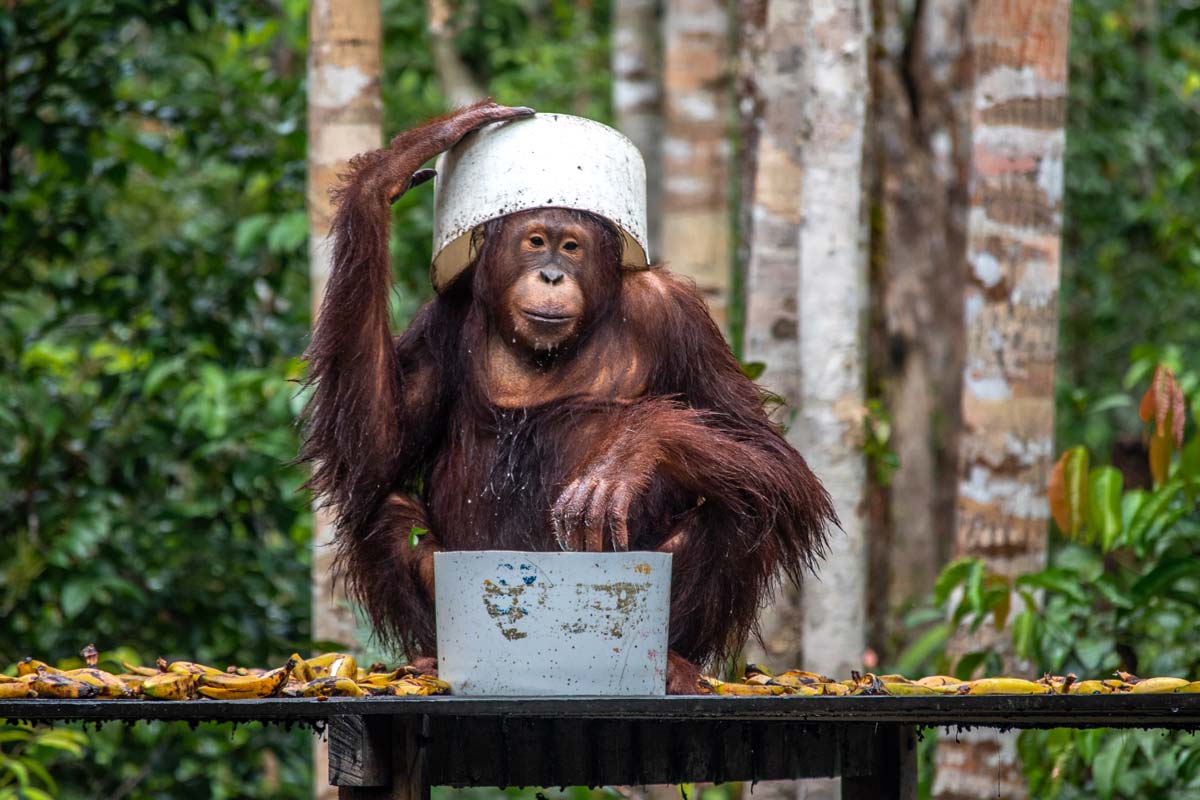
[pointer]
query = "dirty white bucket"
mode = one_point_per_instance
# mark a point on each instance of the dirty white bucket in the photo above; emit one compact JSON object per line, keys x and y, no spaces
{"x":515,"y":623}
{"x":536,"y":162}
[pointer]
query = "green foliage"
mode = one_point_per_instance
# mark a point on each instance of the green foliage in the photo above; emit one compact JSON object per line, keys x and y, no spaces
{"x":155,"y":299}
{"x":1131,"y":271}
{"x":152,"y":242}
{"x":1121,"y":591}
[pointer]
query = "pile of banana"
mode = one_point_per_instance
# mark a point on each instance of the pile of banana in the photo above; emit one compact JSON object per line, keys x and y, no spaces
{"x":760,"y":682}
{"x":324,"y":676}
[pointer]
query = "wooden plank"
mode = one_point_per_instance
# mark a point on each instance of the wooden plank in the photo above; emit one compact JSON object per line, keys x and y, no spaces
{"x":410,"y":758}
{"x":1014,"y":711}
{"x":892,"y":775}
{"x":360,"y":751}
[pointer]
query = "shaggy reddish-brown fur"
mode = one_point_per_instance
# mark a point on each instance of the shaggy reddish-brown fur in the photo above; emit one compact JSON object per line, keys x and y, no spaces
{"x":646,"y":412}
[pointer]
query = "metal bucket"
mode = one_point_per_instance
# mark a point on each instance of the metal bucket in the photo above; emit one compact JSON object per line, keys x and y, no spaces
{"x":515,"y":623}
{"x":536,"y":162}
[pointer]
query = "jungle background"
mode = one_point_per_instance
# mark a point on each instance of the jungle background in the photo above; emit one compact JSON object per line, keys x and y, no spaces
{"x":155,"y":299}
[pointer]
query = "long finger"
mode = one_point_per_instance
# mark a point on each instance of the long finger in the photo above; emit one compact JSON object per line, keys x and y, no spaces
{"x":618,"y":513}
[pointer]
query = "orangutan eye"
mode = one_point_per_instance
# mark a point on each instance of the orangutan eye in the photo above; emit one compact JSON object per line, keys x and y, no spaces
{"x":571,"y":246}
{"x":536,"y":241}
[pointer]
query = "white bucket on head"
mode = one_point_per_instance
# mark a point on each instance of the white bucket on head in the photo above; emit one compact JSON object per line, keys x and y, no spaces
{"x":547,"y":160}
{"x":516,"y":623}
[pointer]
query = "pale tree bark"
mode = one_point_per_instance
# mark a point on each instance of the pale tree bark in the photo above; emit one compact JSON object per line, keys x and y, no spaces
{"x":806,"y":303}
{"x":1019,"y":52}
{"x":832,"y":313}
{"x":696,"y":149}
{"x":637,"y":96}
{"x":921,"y":130}
{"x":773,"y":87}
{"x":344,"y":119}
{"x":459,"y":85}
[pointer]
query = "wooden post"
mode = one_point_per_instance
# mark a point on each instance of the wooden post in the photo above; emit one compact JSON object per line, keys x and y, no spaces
{"x":379,"y":758}
{"x":892,"y":773}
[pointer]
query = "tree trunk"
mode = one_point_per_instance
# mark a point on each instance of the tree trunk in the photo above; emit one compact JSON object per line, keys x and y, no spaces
{"x":344,"y":119}
{"x":806,"y":300}
{"x":833,"y":304}
{"x":773,"y":88}
{"x":1019,"y":50}
{"x":696,"y":151}
{"x":921,"y":127}
{"x":637,"y":96}
{"x":459,"y":86}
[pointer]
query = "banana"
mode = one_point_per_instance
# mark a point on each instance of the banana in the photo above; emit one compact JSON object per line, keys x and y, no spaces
{"x":742,"y":689}
{"x":1158,"y":685}
{"x":939,"y":680}
{"x":801,"y":675}
{"x":30,"y":666}
{"x":1190,"y":688}
{"x":758,"y":669}
{"x":1091,"y":687}
{"x":16,"y":690}
{"x":133,"y":669}
{"x":795,"y":680}
{"x":378,"y":679}
{"x":109,"y":685}
{"x":170,"y":686}
{"x":907,"y":689}
{"x":331,"y":686}
{"x":344,"y":667}
{"x":224,"y":686}
{"x":832,"y":688}
{"x":758,"y":679}
{"x":192,"y":668}
{"x":303,"y":670}
{"x":50,"y":684}
{"x":1003,"y":686}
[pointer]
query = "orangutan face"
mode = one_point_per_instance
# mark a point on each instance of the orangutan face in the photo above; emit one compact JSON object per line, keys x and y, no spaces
{"x":551,"y":260}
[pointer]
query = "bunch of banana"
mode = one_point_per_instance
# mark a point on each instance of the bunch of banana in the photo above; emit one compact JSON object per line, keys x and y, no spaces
{"x":761,"y":682}
{"x":224,"y":686}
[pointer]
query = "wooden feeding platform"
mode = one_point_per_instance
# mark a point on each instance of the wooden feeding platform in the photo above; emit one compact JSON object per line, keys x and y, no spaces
{"x":399,"y":747}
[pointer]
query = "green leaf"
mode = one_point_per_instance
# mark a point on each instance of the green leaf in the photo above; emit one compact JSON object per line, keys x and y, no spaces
{"x":969,"y":663}
{"x":1161,"y":577}
{"x":1104,"y":506}
{"x":950,"y":578}
{"x":753,"y":369}
{"x":1067,"y":491}
{"x":918,"y":654}
{"x":414,"y":535}
{"x":1111,"y":759}
{"x":1057,"y":580}
{"x":76,"y":595}
{"x":289,"y":233}
{"x":1024,"y":628}
{"x":250,"y":233}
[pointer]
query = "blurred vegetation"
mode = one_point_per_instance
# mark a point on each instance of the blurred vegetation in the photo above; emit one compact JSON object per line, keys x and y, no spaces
{"x":155,"y":299}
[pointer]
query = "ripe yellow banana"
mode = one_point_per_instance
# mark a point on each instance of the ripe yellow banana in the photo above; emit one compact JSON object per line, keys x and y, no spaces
{"x":326,"y":663}
{"x":15,"y":690}
{"x":170,"y":686}
{"x":49,"y":684}
{"x":908,"y":689}
{"x":331,"y":686}
{"x":30,"y":666}
{"x":1091,"y":687}
{"x":742,"y":689}
{"x":1158,"y":685}
{"x":939,"y":680}
{"x":1190,"y":688}
{"x":133,"y":669}
{"x":380,"y":678}
{"x":109,"y":685}
{"x":1003,"y":686}
{"x":224,"y":686}
{"x":192,"y":668}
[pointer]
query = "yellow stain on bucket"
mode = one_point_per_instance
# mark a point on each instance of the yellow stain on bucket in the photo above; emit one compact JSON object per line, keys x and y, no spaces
{"x":643,"y":568}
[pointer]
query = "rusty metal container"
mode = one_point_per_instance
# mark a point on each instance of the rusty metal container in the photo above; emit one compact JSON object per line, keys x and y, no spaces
{"x":514,"y":623}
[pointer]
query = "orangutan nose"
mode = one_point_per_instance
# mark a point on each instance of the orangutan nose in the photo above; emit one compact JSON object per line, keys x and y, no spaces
{"x":551,"y":276}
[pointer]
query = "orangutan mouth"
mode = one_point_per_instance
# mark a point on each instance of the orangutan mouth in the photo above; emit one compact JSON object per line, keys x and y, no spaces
{"x":548,"y":317}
